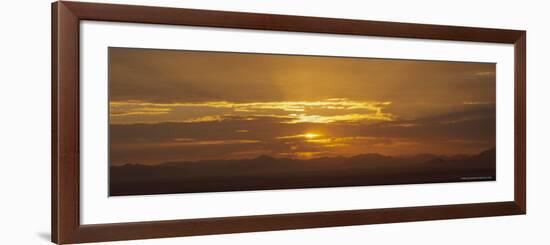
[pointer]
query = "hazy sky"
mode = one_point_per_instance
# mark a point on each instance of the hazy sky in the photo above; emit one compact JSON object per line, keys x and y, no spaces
{"x":170,"y":105}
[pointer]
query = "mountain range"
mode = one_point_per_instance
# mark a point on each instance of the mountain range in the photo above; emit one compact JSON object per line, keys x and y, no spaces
{"x":266,"y":172}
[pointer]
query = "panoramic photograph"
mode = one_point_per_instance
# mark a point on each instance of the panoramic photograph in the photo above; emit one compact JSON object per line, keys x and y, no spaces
{"x":205,"y":121}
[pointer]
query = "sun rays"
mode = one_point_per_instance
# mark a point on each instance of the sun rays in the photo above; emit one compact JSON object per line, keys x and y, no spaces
{"x":213,"y":105}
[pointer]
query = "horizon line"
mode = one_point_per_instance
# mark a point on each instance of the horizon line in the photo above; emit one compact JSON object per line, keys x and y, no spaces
{"x":308,"y":159}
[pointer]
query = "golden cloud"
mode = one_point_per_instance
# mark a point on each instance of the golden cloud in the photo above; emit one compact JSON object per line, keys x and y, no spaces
{"x":324,"y":111}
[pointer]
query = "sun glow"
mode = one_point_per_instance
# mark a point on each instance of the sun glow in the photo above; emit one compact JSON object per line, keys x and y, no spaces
{"x":311,"y":135}
{"x":308,"y":136}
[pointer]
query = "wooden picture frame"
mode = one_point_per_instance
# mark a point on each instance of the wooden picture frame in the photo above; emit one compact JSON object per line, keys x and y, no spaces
{"x":66,"y":225}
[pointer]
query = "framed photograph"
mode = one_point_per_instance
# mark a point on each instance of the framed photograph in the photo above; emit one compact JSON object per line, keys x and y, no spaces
{"x":177,"y":122}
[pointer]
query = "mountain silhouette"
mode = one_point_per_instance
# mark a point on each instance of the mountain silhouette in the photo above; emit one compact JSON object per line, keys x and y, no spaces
{"x":266,"y":172}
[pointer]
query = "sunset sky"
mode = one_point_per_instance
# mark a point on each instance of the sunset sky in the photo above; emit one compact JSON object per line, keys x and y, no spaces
{"x":168,"y":105}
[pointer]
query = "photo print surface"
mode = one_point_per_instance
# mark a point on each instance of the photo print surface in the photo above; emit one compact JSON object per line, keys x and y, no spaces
{"x":201,"y":121}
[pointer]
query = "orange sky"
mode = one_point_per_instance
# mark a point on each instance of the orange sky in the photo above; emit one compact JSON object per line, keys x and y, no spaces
{"x":170,"y":105}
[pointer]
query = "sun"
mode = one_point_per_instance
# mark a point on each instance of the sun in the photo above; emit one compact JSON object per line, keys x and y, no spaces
{"x":311,"y":135}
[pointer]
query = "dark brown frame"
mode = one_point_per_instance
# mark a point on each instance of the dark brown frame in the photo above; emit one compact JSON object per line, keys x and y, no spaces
{"x":66,"y":227}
